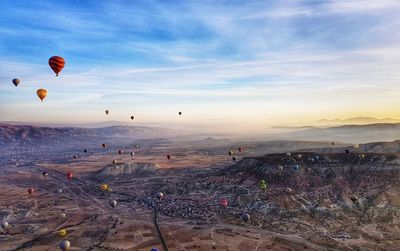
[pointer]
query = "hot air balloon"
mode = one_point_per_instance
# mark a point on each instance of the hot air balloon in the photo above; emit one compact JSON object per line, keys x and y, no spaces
{"x":356,"y":146}
{"x":159,"y":195}
{"x":69,"y":175}
{"x":31,"y":190}
{"x":113,"y":203}
{"x":288,"y":154}
{"x":57,"y":64}
{"x":347,"y":151}
{"x":132,"y":117}
{"x":45,"y":174}
{"x":65,"y":245}
{"x":62,"y":232}
{"x":353,"y":198}
{"x":280,"y":168}
{"x":104,"y":187}
{"x":109,"y":189}
{"x":59,"y":191}
{"x":103,"y":145}
{"x":16,"y":81}
{"x":234,"y":159}
{"x":4,"y":224}
{"x":263,"y":186}
{"x":333,"y":143}
{"x":180,"y":113}
{"x":224,"y":202}
{"x":63,"y":215}
{"x":240,"y":149}
{"x":114,"y":162}
{"x":168,"y":156}
{"x":119,"y":152}
{"x":132,"y":153}
{"x":85,"y":151}
{"x":107,"y":112}
{"x":75,"y":156}
{"x":154,"y":249}
{"x":42,"y":93}
{"x":230,"y":153}
{"x":361,"y":156}
{"x":299,"y":156}
{"x":262,"y":182}
{"x":296,"y":167}
{"x":245,"y":217}
{"x":137,"y":146}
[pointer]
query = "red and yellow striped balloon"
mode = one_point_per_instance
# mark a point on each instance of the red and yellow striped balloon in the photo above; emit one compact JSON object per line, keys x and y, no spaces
{"x":57,"y":64}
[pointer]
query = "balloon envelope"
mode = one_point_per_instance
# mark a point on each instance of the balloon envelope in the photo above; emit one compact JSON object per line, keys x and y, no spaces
{"x":113,"y":203}
{"x":42,"y":93}
{"x":16,"y":81}
{"x":65,"y":245}
{"x":56,"y":64}
{"x":62,"y":232}
{"x":245,"y":217}
{"x":159,"y":195}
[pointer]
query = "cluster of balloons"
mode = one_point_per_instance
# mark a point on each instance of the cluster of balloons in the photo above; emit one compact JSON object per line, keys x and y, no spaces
{"x":56,"y":63}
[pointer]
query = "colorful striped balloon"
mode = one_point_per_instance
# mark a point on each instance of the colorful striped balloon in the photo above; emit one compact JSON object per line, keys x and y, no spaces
{"x":57,"y":64}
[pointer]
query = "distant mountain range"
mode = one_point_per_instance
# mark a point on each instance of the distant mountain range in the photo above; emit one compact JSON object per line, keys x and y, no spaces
{"x":27,"y":136}
{"x":356,"y":120}
{"x":345,"y":133}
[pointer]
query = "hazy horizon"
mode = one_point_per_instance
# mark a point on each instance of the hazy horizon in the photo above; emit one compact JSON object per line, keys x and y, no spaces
{"x":244,"y":66}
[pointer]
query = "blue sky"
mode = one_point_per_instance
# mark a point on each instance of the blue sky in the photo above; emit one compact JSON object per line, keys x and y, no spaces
{"x":245,"y":62}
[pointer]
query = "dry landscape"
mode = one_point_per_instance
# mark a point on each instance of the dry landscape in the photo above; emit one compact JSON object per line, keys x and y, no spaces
{"x":318,"y":197}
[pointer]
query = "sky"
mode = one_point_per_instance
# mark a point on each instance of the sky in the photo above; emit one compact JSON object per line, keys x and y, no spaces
{"x":242,"y":63}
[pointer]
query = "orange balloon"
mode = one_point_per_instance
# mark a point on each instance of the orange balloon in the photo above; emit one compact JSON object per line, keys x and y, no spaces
{"x":42,"y":93}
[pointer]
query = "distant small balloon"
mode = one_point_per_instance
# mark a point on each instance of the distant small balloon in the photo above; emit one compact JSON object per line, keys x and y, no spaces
{"x":69,"y":175}
{"x":63,"y":215}
{"x":119,"y":152}
{"x":230,"y":153}
{"x":59,"y":191}
{"x":280,"y":168}
{"x":180,"y":113}
{"x":240,"y":149}
{"x":132,"y":153}
{"x":245,"y":217}
{"x":159,"y":195}
{"x":107,"y":112}
{"x":103,"y":145}
{"x":75,"y":157}
{"x":104,"y":187}
{"x":16,"y":81}
{"x":224,"y":202}
{"x":65,"y":245}
{"x":113,"y":203}
{"x":132,"y":117}
{"x":234,"y":159}
{"x":31,"y":190}
{"x":154,"y":249}
{"x":45,"y":174}
{"x":114,"y":162}
{"x":288,"y":154}
{"x":137,"y":146}
{"x":168,"y":156}
{"x":62,"y":232}
{"x":4,"y":224}
{"x":85,"y":151}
